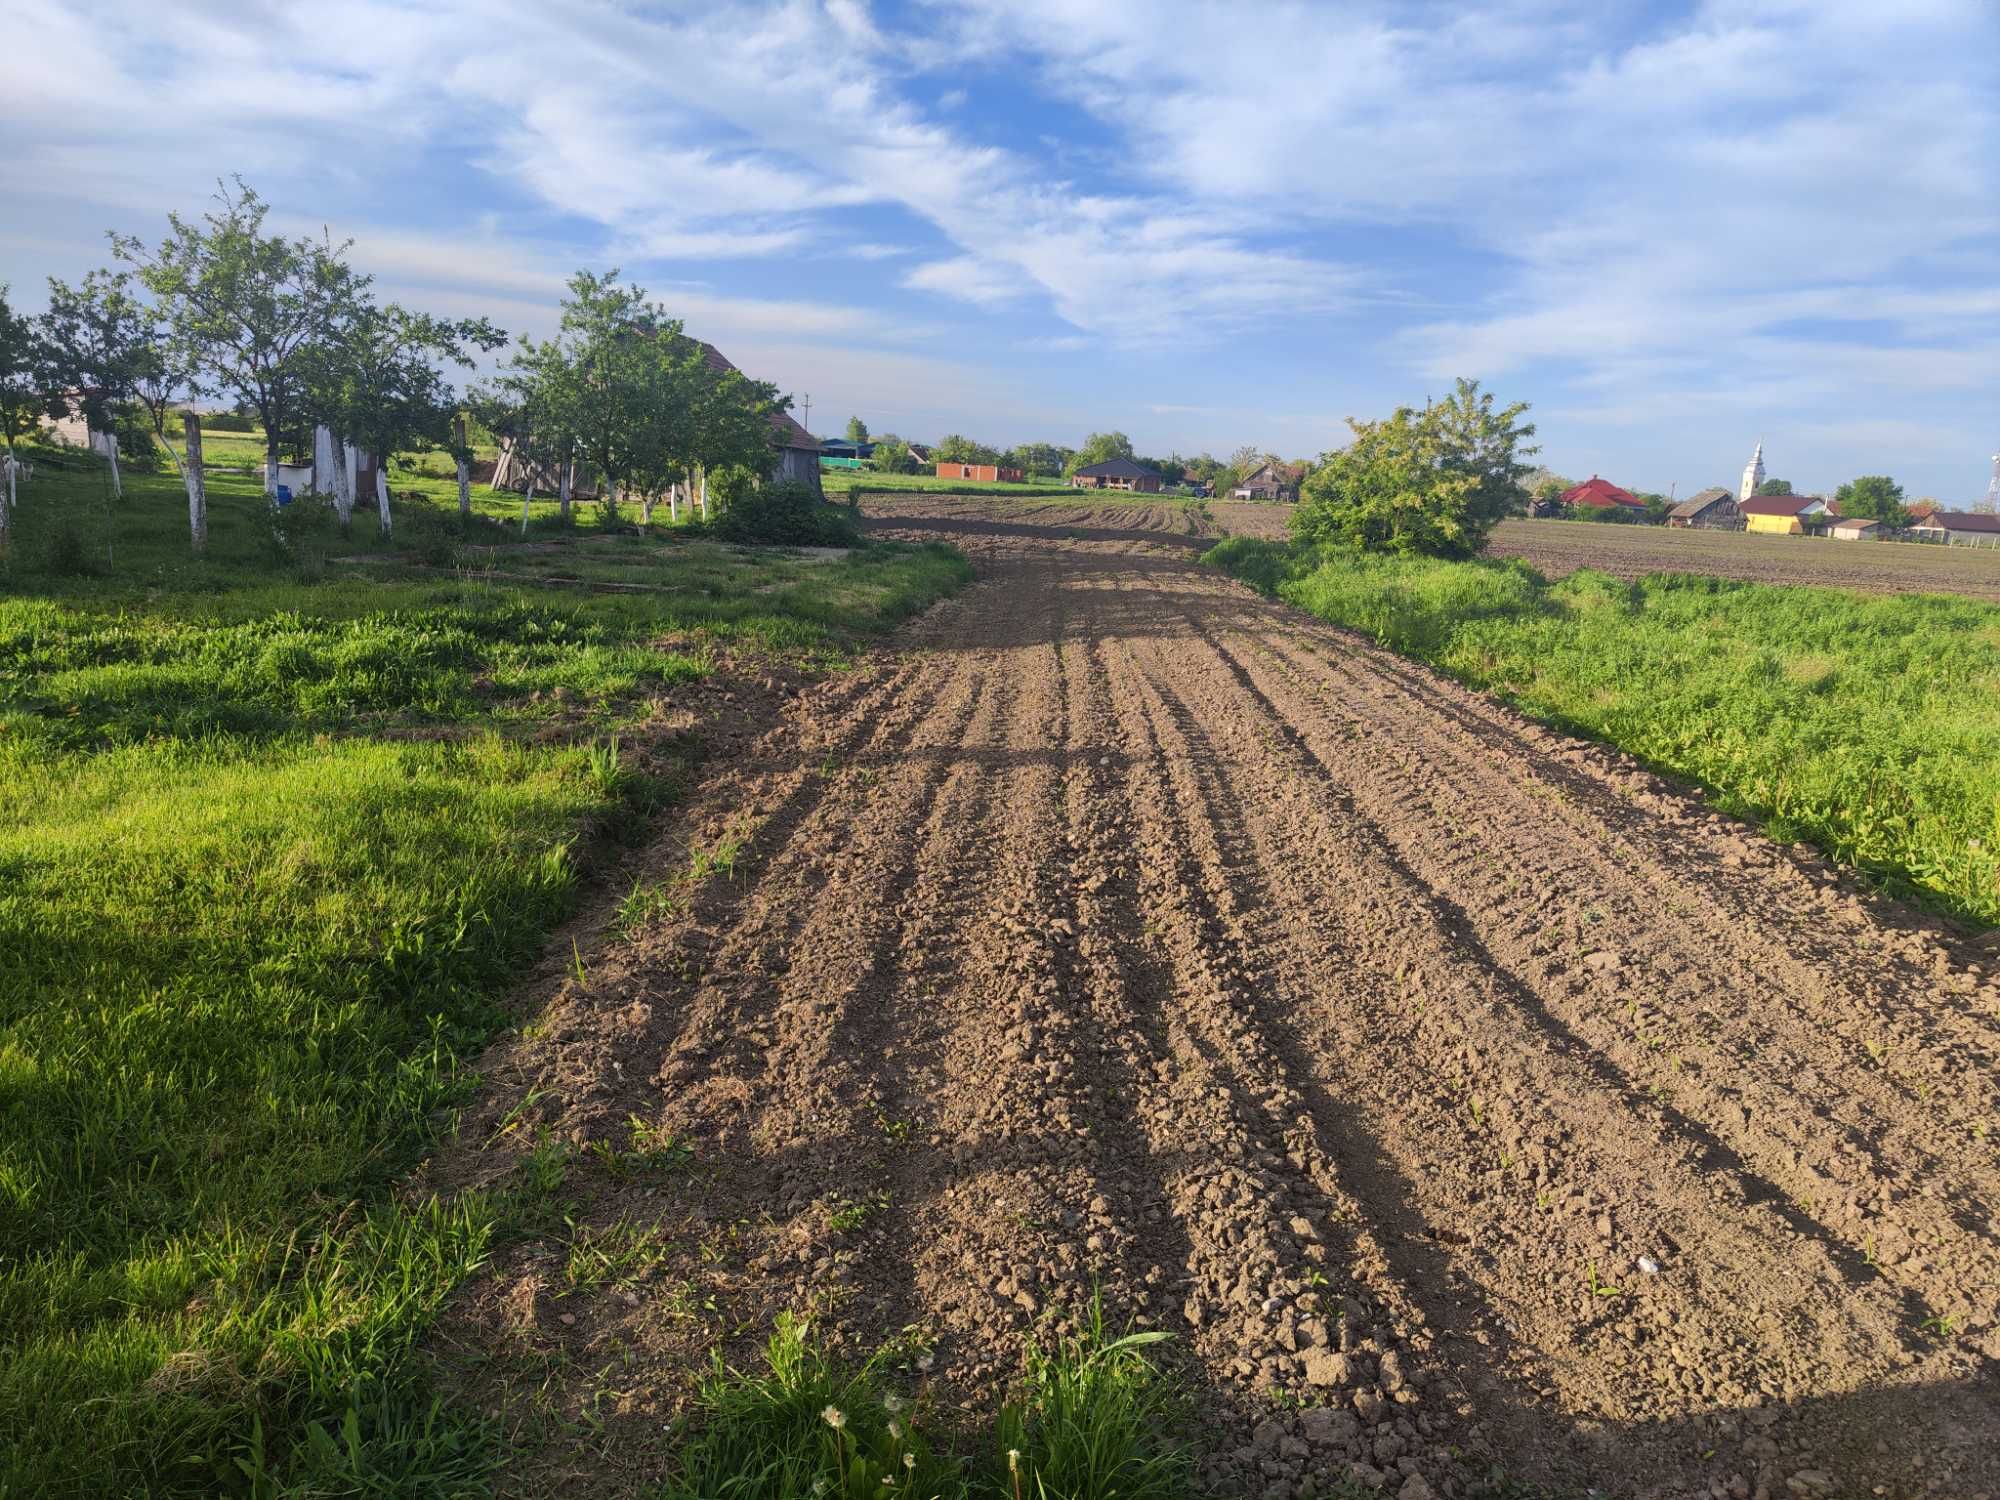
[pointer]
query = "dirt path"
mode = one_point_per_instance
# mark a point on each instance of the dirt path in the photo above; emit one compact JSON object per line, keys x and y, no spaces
{"x":1445,"y":1086}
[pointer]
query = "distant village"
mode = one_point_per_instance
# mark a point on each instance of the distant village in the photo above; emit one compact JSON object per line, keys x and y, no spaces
{"x":1868,"y":509}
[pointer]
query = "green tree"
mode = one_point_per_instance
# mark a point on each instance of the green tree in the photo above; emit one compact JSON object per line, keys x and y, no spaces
{"x":957,"y":448}
{"x":1045,"y":460}
{"x":1096,"y":449}
{"x":381,"y":387}
{"x":1875,"y":496}
{"x":892,"y":455}
{"x":244,"y":311}
{"x":106,"y":354}
{"x":857,"y":430}
{"x":22,"y":358}
{"x":1432,"y":481}
{"x":1775,"y":487}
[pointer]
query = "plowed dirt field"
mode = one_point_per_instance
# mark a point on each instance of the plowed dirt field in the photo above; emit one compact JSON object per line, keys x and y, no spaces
{"x":1445,"y":1086}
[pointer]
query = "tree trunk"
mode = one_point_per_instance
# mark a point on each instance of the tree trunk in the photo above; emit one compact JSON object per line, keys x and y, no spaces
{"x":382,"y":496}
{"x":527,"y":499}
{"x":568,"y":478}
{"x":350,"y":480}
{"x":464,"y":472}
{"x":197,"y":487}
{"x":271,"y":468}
{"x":646,"y":503}
{"x":7,"y":504}
{"x":673,"y":502}
{"x":111,"y":456}
{"x":704,"y":492}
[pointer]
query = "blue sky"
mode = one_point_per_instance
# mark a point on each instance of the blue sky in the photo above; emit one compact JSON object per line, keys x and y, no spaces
{"x":1675,"y":229}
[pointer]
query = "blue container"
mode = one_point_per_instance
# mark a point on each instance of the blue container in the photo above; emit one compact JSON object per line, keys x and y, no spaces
{"x":284,"y":494}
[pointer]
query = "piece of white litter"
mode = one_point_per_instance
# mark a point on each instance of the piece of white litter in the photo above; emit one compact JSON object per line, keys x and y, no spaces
{"x":1648,"y":1265}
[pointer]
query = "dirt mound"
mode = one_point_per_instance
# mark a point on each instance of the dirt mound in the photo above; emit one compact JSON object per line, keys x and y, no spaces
{"x":1446,"y":1087}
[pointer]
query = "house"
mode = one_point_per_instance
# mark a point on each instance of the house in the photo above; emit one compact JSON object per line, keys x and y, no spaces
{"x":797,"y":451}
{"x":1784,"y":515}
{"x":1854,"y":529}
{"x":1707,"y":510}
{"x":1602,"y":494}
{"x":1117,"y":474}
{"x":1958,"y":528}
{"x":920,"y":452}
{"x":980,"y":473}
{"x":1270,"y":481}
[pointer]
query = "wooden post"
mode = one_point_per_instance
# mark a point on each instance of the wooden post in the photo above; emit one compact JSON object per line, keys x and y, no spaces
{"x":464,"y":473}
{"x":196,"y":488}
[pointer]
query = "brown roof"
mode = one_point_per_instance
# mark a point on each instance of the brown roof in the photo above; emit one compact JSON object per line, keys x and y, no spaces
{"x":789,"y":433}
{"x":1778,"y":505}
{"x":1964,"y":520}
{"x":1695,"y":504}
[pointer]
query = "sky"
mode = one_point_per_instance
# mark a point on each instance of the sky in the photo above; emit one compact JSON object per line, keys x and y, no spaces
{"x":1674,"y":229}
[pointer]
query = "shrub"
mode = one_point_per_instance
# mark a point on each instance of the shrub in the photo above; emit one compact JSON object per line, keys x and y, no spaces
{"x":1430,"y":483}
{"x":786,"y":513}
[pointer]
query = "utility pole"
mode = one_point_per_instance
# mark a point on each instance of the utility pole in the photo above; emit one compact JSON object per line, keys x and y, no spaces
{"x":806,"y":403}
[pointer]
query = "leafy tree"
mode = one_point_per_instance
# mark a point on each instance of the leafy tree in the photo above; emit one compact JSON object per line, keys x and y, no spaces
{"x":106,"y":352}
{"x":1657,"y":506}
{"x":22,"y":402}
{"x":1096,"y":449}
{"x":1550,"y":491}
{"x":1775,"y":487}
{"x":1875,"y":496}
{"x":380,"y":386}
{"x":956,"y":448}
{"x":892,"y":455}
{"x":857,"y":430}
{"x":1045,"y":460}
{"x":1431,"y":481}
{"x":246,"y":312}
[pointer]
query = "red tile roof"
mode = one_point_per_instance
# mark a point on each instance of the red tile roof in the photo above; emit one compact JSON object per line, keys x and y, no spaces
{"x":1601,"y":494}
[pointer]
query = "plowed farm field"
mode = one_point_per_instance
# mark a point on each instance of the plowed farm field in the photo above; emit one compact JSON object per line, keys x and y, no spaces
{"x":1453,"y":1092}
{"x":1558,"y":548}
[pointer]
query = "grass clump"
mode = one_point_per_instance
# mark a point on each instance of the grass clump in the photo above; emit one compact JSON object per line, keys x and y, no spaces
{"x":1090,"y":1424}
{"x":1869,"y":725}
{"x":274,"y":839}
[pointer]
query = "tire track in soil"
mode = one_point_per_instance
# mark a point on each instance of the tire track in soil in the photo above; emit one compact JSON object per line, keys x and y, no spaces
{"x":1154,"y":938}
{"x":1631,"y":1164}
{"x":1866,"y":1167}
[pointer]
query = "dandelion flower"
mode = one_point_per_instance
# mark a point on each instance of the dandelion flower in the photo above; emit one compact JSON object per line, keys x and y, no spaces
{"x":1013,"y":1460}
{"x":895,"y":1429}
{"x":834,"y":1417}
{"x":910,"y":1462}
{"x":893,"y":1404}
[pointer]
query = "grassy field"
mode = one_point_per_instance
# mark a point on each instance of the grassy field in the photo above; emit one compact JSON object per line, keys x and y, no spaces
{"x":1867,"y":725}
{"x":277,"y":827}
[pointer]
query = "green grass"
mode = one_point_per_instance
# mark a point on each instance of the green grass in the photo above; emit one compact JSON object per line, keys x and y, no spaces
{"x":277,"y":829}
{"x":1867,"y":725}
{"x":1090,"y":1423}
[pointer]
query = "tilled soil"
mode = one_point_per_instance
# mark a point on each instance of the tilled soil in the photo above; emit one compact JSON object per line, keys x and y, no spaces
{"x":1455,"y":1092}
{"x":1558,"y":548}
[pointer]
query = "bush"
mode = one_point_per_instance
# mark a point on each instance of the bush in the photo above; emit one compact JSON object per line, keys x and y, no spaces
{"x":229,"y":421}
{"x":786,"y":514}
{"x":1427,"y":483}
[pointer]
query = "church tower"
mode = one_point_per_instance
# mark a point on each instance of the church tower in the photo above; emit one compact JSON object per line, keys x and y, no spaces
{"x":1753,"y":473}
{"x":1992,"y":504}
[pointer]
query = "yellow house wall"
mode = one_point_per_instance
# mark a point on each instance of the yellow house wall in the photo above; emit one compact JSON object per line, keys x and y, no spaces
{"x":1783,"y":525}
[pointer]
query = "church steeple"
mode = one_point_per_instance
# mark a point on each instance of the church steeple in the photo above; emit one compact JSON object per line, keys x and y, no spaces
{"x":1753,"y":473}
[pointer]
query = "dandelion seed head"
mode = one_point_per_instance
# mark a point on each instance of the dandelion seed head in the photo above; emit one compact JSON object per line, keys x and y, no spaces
{"x":834,"y":1417}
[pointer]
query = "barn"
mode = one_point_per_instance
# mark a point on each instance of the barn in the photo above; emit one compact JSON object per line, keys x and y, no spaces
{"x":1117,"y":474}
{"x":1958,"y":528}
{"x":1708,"y":510}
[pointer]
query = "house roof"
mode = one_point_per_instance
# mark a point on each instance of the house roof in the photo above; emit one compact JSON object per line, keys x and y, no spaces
{"x":1964,"y":520}
{"x":1696,"y":503}
{"x":783,"y":425}
{"x":1601,"y":493}
{"x":1862,"y":522}
{"x":1779,"y":505}
{"x":1117,"y":468}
